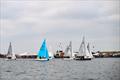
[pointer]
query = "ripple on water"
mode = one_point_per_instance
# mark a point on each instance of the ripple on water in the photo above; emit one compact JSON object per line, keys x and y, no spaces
{"x":99,"y":69}
{"x":75,"y":79}
{"x":25,"y":78}
{"x":20,"y":73}
{"x":91,"y":79}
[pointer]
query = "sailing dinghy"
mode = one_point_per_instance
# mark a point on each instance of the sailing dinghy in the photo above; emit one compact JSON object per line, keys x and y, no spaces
{"x":43,"y":53}
{"x":10,"y":54}
{"x":84,"y":52}
{"x":68,"y":52}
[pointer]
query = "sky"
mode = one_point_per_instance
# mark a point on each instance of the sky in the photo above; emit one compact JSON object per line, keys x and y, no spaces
{"x":25,"y":23}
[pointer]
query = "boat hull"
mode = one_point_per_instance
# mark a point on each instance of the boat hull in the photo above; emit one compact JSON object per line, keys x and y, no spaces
{"x":68,"y":58}
{"x":42,"y":59}
{"x":55,"y":56}
{"x":9,"y":57}
{"x":81,"y":58}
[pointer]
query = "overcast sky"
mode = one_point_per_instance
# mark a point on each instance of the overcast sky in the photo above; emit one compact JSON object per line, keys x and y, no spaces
{"x":26,"y":23}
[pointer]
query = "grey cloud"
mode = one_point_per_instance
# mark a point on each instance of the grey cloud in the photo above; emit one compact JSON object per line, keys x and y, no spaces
{"x":30,"y":22}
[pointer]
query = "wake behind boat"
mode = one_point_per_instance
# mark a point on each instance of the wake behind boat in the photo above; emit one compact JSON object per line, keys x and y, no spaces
{"x":43,"y":53}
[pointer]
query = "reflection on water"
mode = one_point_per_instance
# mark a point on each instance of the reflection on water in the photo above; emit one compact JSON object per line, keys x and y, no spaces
{"x":58,"y":69}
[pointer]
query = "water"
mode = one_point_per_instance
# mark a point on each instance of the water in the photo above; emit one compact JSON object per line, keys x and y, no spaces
{"x":58,"y":69}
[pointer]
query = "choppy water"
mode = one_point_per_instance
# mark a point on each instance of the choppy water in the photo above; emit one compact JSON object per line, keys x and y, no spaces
{"x":58,"y":69}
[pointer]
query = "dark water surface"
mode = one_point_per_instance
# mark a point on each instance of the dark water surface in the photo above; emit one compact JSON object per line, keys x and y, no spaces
{"x":58,"y":69}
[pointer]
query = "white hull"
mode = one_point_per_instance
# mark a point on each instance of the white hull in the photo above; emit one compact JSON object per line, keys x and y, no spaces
{"x":68,"y":58}
{"x":13,"y":57}
{"x":42,"y":59}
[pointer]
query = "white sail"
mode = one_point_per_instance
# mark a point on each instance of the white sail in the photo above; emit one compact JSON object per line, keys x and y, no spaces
{"x":51,"y":55}
{"x":68,"y":50}
{"x":13,"y":56}
{"x":87,"y":54}
{"x":10,"y":54}
{"x":84,"y":50}
{"x":90,"y":53}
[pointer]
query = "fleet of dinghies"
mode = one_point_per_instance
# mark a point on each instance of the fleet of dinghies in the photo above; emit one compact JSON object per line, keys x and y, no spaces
{"x":43,"y":54}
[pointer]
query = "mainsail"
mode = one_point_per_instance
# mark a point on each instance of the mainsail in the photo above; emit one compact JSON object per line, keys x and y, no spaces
{"x":43,"y":52}
{"x":90,"y":53}
{"x":84,"y":49}
{"x":68,"y":50}
{"x":9,"y":54}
